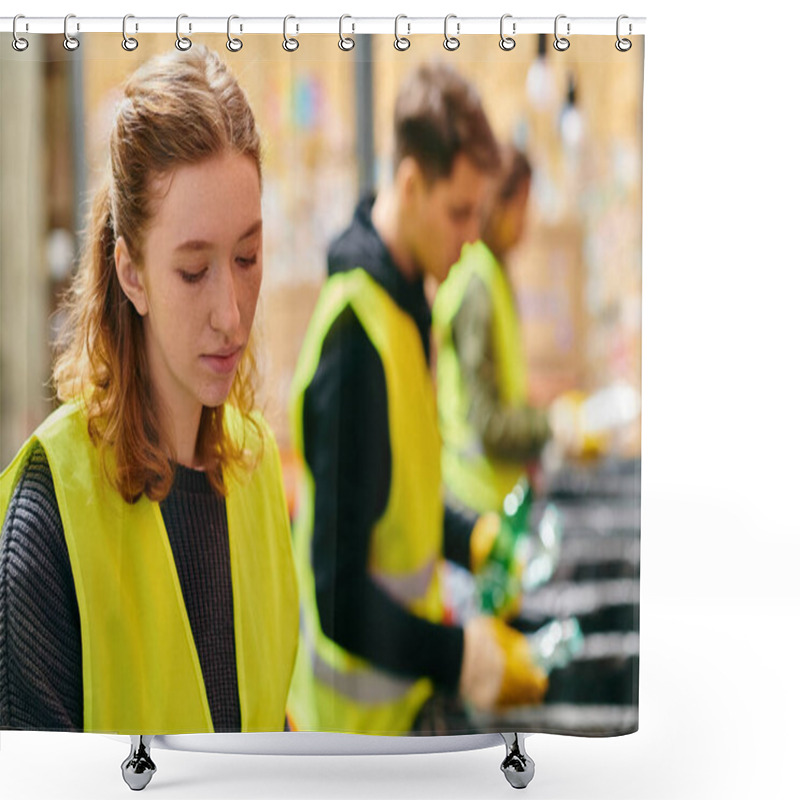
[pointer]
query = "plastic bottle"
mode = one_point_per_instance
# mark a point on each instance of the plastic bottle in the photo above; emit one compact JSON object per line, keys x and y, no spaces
{"x":556,"y":644}
{"x":543,"y":548}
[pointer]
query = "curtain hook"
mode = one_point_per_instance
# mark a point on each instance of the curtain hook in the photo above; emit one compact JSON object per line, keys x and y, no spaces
{"x":70,"y":42}
{"x":561,"y":43}
{"x":345,"y":42}
{"x":506,"y":42}
{"x":400,"y":42}
{"x":183,"y":43}
{"x":623,"y":45}
{"x":18,"y":43}
{"x":451,"y":43}
{"x":233,"y":44}
{"x":290,"y":44}
{"x":128,"y":42}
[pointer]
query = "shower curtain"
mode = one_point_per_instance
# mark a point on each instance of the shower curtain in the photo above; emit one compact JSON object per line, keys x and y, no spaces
{"x":454,"y":400}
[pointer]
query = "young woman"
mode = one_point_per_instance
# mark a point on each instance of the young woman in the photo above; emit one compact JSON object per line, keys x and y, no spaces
{"x":146,"y":576}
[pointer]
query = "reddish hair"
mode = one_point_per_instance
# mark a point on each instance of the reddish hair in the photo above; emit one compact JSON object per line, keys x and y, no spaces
{"x":177,"y":109}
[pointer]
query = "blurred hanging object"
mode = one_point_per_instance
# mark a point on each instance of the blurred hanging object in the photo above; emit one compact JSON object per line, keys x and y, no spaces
{"x":539,"y":83}
{"x":571,"y":119}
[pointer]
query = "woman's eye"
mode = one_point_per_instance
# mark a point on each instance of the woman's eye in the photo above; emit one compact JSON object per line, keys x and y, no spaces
{"x":190,"y":276}
{"x":246,"y":262}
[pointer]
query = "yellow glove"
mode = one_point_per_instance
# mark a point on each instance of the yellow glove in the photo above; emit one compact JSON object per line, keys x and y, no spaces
{"x":497,"y":670}
{"x":524,"y":682}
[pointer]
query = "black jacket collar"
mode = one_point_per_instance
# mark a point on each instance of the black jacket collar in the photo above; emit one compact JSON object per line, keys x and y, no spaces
{"x":360,"y":245}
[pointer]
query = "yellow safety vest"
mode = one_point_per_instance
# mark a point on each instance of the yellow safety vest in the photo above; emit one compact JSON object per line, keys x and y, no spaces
{"x":333,"y":689}
{"x":141,"y":672}
{"x":478,"y":480}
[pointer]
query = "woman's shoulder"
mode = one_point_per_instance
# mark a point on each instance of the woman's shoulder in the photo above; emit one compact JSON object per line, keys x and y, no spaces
{"x":32,"y":524}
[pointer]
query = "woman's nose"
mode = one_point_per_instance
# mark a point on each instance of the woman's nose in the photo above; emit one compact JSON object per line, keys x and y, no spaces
{"x":225,"y":316}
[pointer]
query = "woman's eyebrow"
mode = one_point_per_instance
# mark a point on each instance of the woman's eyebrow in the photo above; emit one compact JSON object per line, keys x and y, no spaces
{"x":254,"y":228}
{"x":193,"y":245}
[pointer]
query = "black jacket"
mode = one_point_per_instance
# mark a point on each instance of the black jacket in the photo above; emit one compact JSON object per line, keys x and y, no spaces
{"x":348,"y":449}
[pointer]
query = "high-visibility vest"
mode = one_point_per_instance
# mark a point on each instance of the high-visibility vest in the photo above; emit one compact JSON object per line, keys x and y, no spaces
{"x":141,"y":672}
{"x":477,"y":479}
{"x":333,"y":689}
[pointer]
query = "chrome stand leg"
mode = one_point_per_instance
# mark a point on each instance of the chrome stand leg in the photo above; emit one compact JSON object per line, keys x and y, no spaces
{"x":517,"y":766}
{"x":138,"y":768}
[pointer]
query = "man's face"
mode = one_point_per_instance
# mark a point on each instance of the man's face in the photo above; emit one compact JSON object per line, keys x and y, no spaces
{"x":446,"y":215}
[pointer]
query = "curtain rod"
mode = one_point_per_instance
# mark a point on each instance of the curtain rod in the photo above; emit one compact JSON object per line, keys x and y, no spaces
{"x":404,"y":25}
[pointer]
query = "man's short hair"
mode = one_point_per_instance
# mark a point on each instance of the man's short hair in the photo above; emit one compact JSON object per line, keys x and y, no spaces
{"x":438,"y":115}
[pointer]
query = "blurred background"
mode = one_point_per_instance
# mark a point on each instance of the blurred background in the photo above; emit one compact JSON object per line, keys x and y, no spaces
{"x":325,"y":118}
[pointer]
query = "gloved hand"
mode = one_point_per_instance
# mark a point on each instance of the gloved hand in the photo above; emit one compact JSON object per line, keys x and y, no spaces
{"x":497,"y":669}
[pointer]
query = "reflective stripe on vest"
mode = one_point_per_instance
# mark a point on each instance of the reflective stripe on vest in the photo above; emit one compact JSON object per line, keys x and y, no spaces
{"x":141,"y":672}
{"x":334,"y":690}
{"x":478,"y":480}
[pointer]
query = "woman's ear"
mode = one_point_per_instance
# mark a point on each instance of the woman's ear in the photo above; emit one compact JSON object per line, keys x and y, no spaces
{"x":130,"y":279}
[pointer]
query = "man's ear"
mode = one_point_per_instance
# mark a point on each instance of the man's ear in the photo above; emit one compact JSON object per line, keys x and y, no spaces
{"x":129,"y":277}
{"x":409,"y":179}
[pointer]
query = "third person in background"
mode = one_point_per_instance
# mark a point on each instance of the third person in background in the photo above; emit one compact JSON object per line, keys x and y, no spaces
{"x":490,"y":431}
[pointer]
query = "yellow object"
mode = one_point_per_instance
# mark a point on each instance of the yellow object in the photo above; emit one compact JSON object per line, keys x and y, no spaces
{"x":334,"y":690}
{"x":524,"y":682}
{"x":569,"y":426}
{"x":482,"y":539}
{"x":478,"y":480}
{"x":141,"y":673}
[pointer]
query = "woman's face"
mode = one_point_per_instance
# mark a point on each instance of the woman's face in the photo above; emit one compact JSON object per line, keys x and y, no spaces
{"x":199,"y":280}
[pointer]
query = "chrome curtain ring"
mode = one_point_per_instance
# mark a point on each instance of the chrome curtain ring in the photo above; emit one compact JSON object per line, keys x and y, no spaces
{"x":70,"y":42}
{"x":451,"y":43}
{"x":561,"y":43}
{"x":17,"y":42}
{"x":289,"y":43}
{"x":183,"y":43}
{"x":506,"y":42}
{"x":128,"y":42}
{"x":345,"y":42}
{"x":233,"y":44}
{"x":623,"y":45}
{"x":400,"y":42}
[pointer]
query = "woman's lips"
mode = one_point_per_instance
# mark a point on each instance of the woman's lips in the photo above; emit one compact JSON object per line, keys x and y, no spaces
{"x":224,"y":362}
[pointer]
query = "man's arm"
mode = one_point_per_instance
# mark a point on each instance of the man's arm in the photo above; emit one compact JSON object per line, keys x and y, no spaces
{"x":517,"y":434}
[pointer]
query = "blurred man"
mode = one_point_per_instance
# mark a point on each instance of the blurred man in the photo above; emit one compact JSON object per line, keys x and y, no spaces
{"x":372,"y":529}
{"x":489,"y":429}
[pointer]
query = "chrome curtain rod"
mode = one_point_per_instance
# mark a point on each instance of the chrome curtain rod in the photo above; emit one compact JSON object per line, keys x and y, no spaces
{"x":405,"y":25}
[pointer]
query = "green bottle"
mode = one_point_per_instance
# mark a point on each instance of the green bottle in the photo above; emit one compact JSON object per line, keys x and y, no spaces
{"x":501,"y":580}
{"x":498,"y":585}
